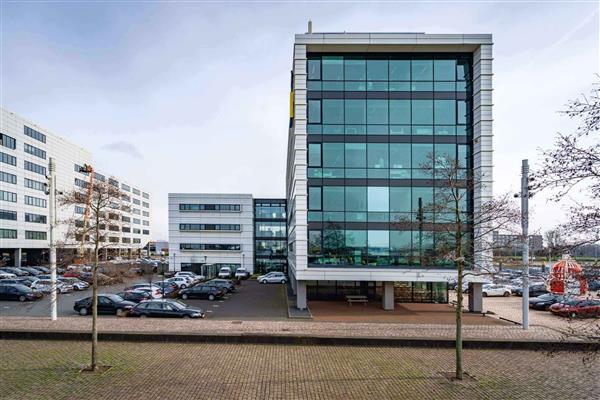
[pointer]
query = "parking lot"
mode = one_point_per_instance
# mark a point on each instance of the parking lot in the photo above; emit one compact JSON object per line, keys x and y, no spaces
{"x":250,"y":301}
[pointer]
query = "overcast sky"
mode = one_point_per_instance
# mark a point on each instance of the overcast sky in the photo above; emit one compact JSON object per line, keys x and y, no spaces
{"x":193,"y":97}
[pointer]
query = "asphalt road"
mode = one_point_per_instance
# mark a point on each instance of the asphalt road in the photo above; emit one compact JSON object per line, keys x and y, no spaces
{"x":251,"y":301}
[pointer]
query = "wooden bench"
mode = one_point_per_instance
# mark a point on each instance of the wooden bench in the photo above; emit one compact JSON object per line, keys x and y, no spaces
{"x":357,"y":299}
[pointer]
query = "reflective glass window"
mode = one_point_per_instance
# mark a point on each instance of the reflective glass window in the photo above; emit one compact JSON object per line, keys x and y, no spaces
{"x":378,"y":199}
{"x":332,"y":68}
{"x":400,"y":155}
{"x":356,"y":198}
{"x":426,"y":196}
{"x":444,"y":70}
{"x":356,"y":155}
{"x":445,"y":112}
{"x":314,"y":154}
{"x":314,"y":69}
{"x":400,"y":199}
{"x":355,"y":69}
{"x":399,"y":70}
{"x":377,"y":154}
{"x":333,"y":155}
{"x":377,"y":70}
{"x":422,"y":112}
{"x":314,"y":111}
{"x":377,"y":111}
{"x":422,"y":154}
{"x":422,"y":70}
{"x":333,"y":111}
{"x":379,"y":242}
{"x":333,"y":198}
{"x":400,"y":112}
{"x":314,"y":198}
{"x":461,"y":113}
{"x":356,"y":111}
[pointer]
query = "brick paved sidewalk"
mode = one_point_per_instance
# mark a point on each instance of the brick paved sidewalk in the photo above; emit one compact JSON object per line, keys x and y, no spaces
{"x":282,"y":328}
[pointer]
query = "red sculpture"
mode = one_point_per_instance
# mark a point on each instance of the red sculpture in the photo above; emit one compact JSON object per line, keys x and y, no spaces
{"x":565,"y":271}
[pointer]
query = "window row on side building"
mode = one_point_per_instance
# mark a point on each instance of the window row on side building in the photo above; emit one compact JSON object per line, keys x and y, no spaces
{"x":211,"y":231}
{"x":25,"y":151}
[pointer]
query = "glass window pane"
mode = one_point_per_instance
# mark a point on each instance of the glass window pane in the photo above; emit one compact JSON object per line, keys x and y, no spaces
{"x":333,"y":68}
{"x":463,"y":154}
{"x":354,"y":69}
{"x":377,"y":111}
{"x":400,"y":112}
{"x":378,"y":199}
{"x":445,"y":112}
{"x":461,"y":113}
{"x":377,"y":70}
{"x":356,"y":239}
{"x":333,"y":198}
{"x":399,"y":70}
{"x":422,"y":112}
{"x":400,"y":240}
{"x":422,"y":70}
{"x":314,"y":111}
{"x":400,"y":199}
{"x":356,"y":155}
{"x":462,"y":70}
{"x":399,"y":155}
{"x":333,"y":111}
{"x":356,"y":198}
{"x":445,"y":155}
{"x":356,"y":112}
{"x":314,"y":155}
{"x":444,"y":70}
{"x":314,"y":242}
{"x":333,"y":155}
{"x":422,"y":154}
{"x":314,"y":198}
{"x":426,"y":196}
{"x":379,"y":242}
{"x":377,"y":155}
{"x":314,"y":69}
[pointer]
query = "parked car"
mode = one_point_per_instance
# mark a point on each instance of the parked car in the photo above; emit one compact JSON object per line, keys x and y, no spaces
{"x":18,"y":292}
{"x":181,"y":281}
{"x":165,"y":308}
{"x":242,"y":273}
{"x":135,"y":296}
{"x":577,"y":308}
{"x":16,"y":271}
{"x":154,"y":290}
{"x":222,"y":283}
{"x":534,"y":290}
{"x":491,"y":289}
{"x":31,"y":271}
{"x":45,"y":285}
{"x":16,"y":281}
{"x":27,"y":280}
{"x":169,"y":289}
{"x":195,"y":278}
{"x":202,"y":292}
{"x":76,"y":283}
{"x":7,"y":275}
{"x":225,"y":272}
{"x":272,"y":277}
{"x":544,"y":301}
{"x":42,"y":269}
{"x":107,"y":304}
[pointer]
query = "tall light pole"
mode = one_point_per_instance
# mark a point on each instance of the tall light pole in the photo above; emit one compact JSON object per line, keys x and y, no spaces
{"x":52,"y":216}
{"x":525,"y":229}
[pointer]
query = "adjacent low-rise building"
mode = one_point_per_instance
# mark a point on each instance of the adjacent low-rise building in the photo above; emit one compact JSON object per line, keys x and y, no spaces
{"x":25,"y":150}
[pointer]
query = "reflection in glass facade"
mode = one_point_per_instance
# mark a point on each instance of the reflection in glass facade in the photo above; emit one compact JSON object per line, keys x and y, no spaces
{"x":270,"y":235}
{"x":380,"y":127}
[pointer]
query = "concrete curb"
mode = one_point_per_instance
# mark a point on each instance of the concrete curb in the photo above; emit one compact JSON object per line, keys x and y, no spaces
{"x":257,"y":338}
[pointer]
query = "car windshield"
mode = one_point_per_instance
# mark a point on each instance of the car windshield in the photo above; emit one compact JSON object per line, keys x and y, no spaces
{"x":177,"y":305}
{"x":113,"y":297}
{"x":546,"y":296}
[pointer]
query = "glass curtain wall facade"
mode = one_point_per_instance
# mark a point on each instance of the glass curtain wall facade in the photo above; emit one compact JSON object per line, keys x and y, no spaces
{"x":378,"y":125}
{"x":270,"y":235}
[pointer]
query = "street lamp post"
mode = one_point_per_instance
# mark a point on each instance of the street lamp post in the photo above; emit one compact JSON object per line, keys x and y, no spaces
{"x":52,"y":215}
{"x":525,"y":229}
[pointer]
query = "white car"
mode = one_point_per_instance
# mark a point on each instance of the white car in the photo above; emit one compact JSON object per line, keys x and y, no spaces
{"x":155,"y":291}
{"x":7,"y":275}
{"x":181,"y":281}
{"x":225,"y":273}
{"x":272,"y":277}
{"x":45,"y":286}
{"x":495,"y":290}
{"x":195,"y":278}
{"x":242,"y":273}
{"x":76,"y":283}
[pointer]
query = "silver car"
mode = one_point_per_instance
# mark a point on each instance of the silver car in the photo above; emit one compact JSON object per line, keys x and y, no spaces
{"x":272,"y":277}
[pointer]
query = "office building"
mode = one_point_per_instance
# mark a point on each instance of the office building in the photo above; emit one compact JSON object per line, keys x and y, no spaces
{"x":25,"y":150}
{"x":210,"y":231}
{"x":368,"y":112}
{"x":511,"y":245}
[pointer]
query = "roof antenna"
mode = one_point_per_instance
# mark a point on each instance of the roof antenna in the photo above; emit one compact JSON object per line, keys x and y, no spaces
{"x":309,"y":26}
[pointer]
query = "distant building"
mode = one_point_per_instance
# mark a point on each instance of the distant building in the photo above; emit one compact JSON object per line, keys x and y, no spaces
{"x":510,"y":245}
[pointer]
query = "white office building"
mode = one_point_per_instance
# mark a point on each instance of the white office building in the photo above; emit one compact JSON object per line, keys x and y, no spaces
{"x":368,"y":110}
{"x":25,"y":150}
{"x":213,"y":229}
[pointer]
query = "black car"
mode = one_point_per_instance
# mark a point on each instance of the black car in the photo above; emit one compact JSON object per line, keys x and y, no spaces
{"x":201,"y":291}
{"x":165,"y":308}
{"x":544,"y":301}
{"x":18,"y":292}
{"x":534,"y":291}
{"x":31,"y":271}
{"x":107,"y":304}
{"x":594,"y":285}
{"x":222,"y":283}
{"x":15,"y":271}
{"x":135,"y":295}
{"x":17,"y":281}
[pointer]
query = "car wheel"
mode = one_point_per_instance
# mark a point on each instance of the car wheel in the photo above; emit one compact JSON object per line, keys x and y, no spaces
{"x":119,"y":312}
{"x":184,"y":296}
{"x":506,"y":294}
{"x":283,"y":281}
{"x":22,"y":298}
{"x":263,"y":281}
{"x":484,"y":294}
{"x":83,"y":311}
{"x":143,"y":315}
{"x":573,"y":315}
{"x":183,"y":286}
{"x":211,"y":297}
{"x":185,"y":316}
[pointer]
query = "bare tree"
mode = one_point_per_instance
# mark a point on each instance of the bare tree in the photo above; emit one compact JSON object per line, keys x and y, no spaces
{"x":463,"y":226}
{"x":104,"y":209}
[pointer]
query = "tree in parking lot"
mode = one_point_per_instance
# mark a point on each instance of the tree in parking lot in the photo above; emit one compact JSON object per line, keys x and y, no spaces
{"x":103,"y":201}
{"x":460,"y":237}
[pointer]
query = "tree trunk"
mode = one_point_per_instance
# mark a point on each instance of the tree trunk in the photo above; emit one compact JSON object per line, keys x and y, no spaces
{"x":94,"y":366}
{"x":460,"y":266}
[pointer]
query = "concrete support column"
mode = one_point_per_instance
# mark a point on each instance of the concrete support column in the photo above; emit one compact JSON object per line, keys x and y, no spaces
{"x":17,"y":257}
{"x":388,"y":296}
{"x":475,"y":297}
{"x":301,"y":302}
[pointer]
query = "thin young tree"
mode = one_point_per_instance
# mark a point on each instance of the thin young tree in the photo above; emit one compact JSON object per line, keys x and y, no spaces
{"x":104,"y":209}
{"x":462,"y":226}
